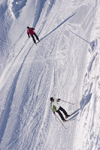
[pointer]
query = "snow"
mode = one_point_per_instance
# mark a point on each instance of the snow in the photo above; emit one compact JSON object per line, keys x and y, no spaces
{"x":65,"y":64}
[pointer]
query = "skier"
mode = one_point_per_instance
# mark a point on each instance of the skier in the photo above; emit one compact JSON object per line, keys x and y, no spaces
{"x":56,"y":108}
{"x":32,"y":33}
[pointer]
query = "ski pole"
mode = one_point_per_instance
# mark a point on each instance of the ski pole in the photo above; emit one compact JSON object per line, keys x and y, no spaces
{"x":67,"y":102}
{"x":60,"y":121}
{"x":79,"y":36}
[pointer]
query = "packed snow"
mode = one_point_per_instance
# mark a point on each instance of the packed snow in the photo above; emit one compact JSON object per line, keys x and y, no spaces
{"x":65,"y":64}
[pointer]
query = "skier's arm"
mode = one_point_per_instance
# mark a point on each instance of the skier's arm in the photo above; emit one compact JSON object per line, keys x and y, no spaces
{"x":28,"y":33}
{"x":53,"y":108}
{"x":51,"y":105}
{"x":58,"y":100}
{"x":32,"y":28}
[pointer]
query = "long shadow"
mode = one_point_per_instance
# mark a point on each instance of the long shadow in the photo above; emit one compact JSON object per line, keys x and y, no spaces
{"x":79,"y":37}
{"x":58,"y":26}
{"x":85,"y":101}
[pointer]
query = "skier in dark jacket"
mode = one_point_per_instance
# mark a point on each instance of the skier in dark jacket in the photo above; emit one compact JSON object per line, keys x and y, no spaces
{"x":32,"y":33}
{"x":56,"y":108}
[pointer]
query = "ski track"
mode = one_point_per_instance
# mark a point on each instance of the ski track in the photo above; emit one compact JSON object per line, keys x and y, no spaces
{"x":65,"y":64}
{"x":89,"y":122}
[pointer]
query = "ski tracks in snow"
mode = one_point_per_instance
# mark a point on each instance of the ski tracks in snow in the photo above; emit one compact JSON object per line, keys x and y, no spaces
{"x":89,"y":125}
{"x":27,"y":110}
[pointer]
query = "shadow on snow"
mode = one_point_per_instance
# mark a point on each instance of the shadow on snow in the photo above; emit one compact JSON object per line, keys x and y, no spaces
{"x":58,"y":26}
{"x":85,"y":100}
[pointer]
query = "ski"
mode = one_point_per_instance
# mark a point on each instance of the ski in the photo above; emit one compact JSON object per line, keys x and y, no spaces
{"x":69,"y":120}
{"x":76,"y":111}
{"x":73,"y":119}
{"x":38,"y":42}
{"x":73,"y":115}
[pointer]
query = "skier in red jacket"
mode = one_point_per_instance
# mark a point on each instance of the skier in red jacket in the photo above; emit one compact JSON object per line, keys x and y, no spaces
{"x":32,"y":33}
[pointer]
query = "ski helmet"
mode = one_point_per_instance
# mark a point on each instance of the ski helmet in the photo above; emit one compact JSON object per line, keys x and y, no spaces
{"x":51,"y":98}
{"x":28,"y":27}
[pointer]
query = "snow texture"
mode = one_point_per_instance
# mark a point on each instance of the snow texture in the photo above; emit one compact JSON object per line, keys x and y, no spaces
{"x":65,"y":64}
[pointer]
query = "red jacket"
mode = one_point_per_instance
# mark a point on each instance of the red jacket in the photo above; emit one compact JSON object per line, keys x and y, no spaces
{"x":30,"y":31}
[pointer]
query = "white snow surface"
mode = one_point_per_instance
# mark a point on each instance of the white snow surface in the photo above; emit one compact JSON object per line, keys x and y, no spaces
{"x":65,"y":64}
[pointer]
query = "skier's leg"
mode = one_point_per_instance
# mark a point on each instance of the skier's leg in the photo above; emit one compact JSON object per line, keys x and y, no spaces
{"x":33,"y":39}
{"x":36,"y":36}
{"x":63,"y":110}
{"x":60,"y":114}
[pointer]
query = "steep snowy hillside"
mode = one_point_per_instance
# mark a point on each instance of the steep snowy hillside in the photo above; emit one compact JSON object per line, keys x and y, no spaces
{"x":64,"y":64}
{"x":88,"y":128}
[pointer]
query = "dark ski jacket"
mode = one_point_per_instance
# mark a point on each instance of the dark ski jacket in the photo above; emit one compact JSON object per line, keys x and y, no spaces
{"x":30,"y":31}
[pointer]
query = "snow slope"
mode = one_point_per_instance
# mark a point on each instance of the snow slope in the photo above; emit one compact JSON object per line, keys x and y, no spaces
{"x":64,"y":64}
{"x":88,"y":128}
